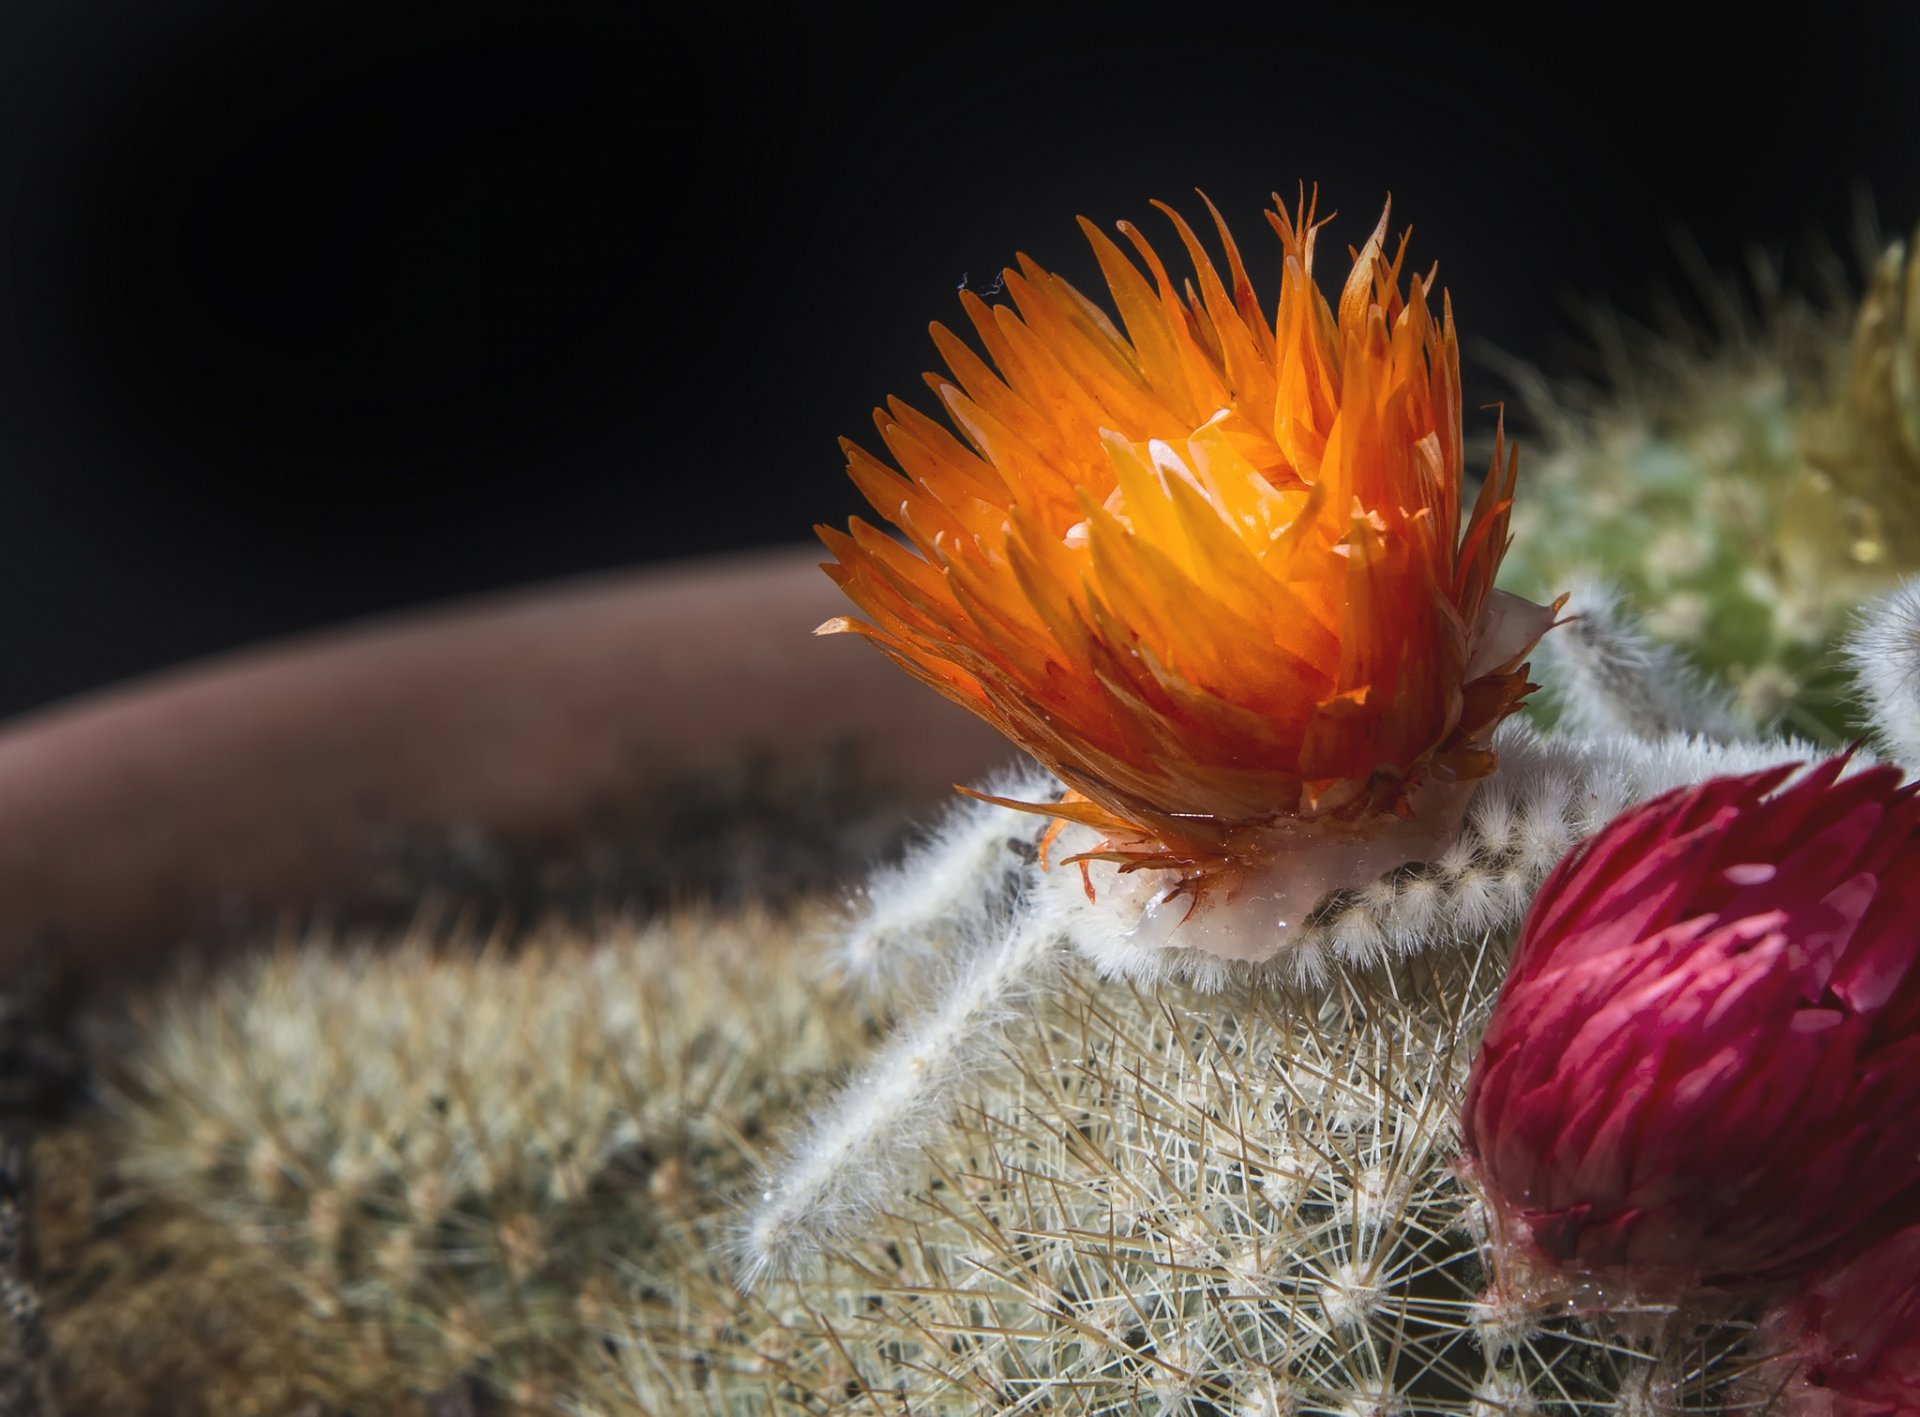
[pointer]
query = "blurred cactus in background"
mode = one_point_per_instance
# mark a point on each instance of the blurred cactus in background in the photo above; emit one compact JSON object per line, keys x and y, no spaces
{"x":1746,"y":490}
{"x":153,"y":1307}
{"x":443,"y":1157}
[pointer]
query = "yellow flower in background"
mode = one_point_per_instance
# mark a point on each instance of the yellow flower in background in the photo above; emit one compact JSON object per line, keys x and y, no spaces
{"x":1210,"y":571}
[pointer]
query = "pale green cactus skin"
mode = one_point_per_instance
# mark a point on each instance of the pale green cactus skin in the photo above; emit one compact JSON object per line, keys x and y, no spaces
{"x":1743,"y":492}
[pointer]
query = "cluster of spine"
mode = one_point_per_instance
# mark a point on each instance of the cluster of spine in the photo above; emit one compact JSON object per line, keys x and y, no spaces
{"x":448,"y":1157}
{"x":1157,"y":1200}
{"x":914,"y":918}
{"x":1745,"y":492}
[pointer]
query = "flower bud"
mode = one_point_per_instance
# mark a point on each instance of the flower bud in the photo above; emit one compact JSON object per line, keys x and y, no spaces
{"x":1214,"y":572}
{"x":1704,"y":1067}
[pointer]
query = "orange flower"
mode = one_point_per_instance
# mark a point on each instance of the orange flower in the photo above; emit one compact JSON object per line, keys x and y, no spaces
{"x":1210,"y":572}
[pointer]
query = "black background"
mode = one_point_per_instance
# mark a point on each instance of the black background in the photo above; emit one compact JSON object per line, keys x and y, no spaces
{"x":316,"y":310}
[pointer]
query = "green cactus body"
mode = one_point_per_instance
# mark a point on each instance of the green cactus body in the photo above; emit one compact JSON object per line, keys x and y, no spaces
{"x":1746,"y":498}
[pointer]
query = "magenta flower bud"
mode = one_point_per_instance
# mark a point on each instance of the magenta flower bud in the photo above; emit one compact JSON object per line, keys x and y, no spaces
{"x":1704,"y":1067}
{"x":1853,"y":1337}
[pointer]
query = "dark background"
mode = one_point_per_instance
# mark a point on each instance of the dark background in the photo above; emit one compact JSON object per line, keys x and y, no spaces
{"x":313,"y":310}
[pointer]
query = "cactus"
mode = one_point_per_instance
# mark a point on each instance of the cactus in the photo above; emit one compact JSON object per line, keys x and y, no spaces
{"x":1745,"y":493}
{"x":1151,"y":1197}
{"x":1160,"y":1200}
{"x":155,"y":1308}
{"x":450,"y":1155}
{"x":1051,"y":1189}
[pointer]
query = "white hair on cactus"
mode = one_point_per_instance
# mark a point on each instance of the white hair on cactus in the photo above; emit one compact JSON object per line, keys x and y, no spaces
{"x":867,"y":1144}
{"x":941,"y":893}
{"x":1607,"y":676}
{"x":1884,"y":653}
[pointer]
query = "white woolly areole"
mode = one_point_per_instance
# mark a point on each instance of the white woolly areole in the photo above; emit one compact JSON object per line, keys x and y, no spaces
{"x":1550,"y":792}
{"x":1884,"y":654}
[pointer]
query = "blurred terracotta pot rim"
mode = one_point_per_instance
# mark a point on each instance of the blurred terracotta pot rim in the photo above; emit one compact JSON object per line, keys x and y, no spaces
{"x":134,"y":817}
